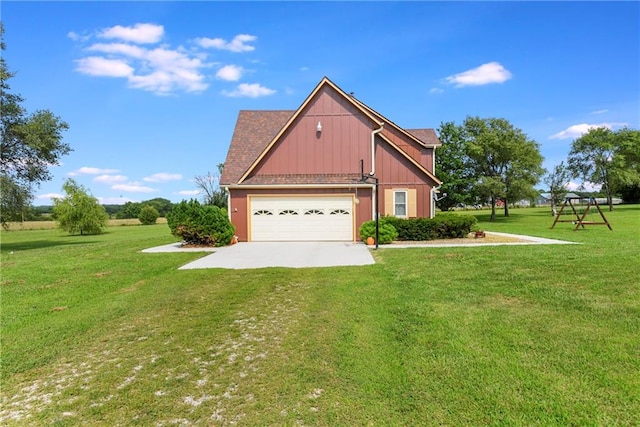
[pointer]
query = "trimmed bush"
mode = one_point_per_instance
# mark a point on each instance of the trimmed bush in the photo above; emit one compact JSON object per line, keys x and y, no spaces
{"x":200,"y":224}
{"x":442,"y":226}
{"x":148,"y":215}
{"x":386,"y":232}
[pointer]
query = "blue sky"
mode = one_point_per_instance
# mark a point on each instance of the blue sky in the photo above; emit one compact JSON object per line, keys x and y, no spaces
{"x":151,"y":90}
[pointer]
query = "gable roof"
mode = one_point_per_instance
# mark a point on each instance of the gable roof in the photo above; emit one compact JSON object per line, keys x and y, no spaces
{"x":257,"y":131}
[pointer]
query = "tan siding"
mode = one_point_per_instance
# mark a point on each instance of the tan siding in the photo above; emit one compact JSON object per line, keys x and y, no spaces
{"x":412,"y":207}
{"x":388,"y":202}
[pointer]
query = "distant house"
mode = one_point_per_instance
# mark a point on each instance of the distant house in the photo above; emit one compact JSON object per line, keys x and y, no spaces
{"x":296,"y":174}
{"x":544,"y":199}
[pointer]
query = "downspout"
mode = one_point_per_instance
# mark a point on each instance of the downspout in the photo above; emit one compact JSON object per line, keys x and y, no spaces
{"x":374,"y":199}
{"x":373,"y":148}
{"x":226,"y":189}
{"x":434,"y":198}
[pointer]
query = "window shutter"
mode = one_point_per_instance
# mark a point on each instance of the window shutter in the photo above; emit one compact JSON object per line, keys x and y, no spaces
{"x":412,"y":205}
{"x":388,"y":202}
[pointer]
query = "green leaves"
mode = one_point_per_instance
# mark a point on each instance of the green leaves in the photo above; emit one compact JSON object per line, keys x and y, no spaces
{"x":610,"y":158}
{"x":30,"y":144}
{"x":79,"y":212}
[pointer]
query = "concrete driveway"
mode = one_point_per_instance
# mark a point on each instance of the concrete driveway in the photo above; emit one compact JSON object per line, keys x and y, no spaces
{"x":278,"y":254}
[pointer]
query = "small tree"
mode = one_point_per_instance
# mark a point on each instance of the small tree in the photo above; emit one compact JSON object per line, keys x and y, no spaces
{"x":557,"y":181}
{"x":78,"y":211}
{"x":148,"y":215}
{"x":209,"y":184}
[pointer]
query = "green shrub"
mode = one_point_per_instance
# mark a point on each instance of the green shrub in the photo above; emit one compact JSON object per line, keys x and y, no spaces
{"x":148,"y":215}
{"x":442,"y":226}
{"x":386,"y":232}
{"x":200,"y":224}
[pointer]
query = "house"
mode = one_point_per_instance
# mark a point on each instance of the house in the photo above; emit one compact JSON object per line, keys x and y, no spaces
{"x":544,"y":199}
{"x":298,"y":175}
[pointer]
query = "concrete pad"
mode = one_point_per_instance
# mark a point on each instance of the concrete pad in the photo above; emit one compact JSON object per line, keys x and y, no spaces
{"x":285,"y":254}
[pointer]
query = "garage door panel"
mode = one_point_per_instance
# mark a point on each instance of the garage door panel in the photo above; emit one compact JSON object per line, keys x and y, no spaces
{"x":301,"y":218}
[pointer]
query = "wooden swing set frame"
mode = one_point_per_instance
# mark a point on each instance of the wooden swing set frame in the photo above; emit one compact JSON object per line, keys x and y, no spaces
{"x":579,"y":220}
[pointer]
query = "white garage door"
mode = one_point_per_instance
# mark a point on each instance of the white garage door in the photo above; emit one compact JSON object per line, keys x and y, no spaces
{"x":323,"y":218}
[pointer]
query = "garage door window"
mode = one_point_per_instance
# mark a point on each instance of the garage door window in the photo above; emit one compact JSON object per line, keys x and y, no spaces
{"x":263,"y":212}
{"x":288,"y":212}
{"x":314,"y":212}
{"x":339,"y":212}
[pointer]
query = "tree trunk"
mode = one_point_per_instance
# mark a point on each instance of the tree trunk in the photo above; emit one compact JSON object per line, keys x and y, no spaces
{"x":493,"y":209}
{"x":506,"y":207}
{"x":609,"y":197}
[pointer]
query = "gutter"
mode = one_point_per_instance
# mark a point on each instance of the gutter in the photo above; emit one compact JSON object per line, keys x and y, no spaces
{"x":373,"y":148}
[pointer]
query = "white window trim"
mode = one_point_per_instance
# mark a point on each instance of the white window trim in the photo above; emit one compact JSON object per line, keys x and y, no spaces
{"x":406,"y":203}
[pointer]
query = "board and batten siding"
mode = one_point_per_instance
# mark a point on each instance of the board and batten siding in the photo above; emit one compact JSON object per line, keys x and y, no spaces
{"x":337,"y":149}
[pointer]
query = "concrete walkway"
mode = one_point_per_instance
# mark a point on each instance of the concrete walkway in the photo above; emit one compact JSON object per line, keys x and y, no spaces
{"x":314,"y":254}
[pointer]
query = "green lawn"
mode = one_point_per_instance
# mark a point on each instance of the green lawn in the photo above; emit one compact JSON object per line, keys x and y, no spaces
{"x":95,"y":332}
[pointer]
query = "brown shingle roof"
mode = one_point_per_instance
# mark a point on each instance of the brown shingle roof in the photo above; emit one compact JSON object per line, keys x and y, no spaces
{"x":297,"y":179}
{"x":427,"y":136}
{"x":253,"y":131}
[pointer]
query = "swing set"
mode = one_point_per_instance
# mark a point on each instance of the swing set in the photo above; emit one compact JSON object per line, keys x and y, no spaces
{"x":579,"y":219}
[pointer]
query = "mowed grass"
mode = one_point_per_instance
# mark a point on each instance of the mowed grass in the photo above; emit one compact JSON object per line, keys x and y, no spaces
{"x":95,"y":332}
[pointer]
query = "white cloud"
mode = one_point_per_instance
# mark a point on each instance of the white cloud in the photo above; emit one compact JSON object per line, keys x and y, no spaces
{"x":435,"y":90}
{"x":576,"y":131}
{"x":491,"y":72}
{"x":188,"y":192}
{"x":600,"y":111}
{"x":50,"y":196}
{"x":238,"y":44}
{"x":119,"y":48}
{"x":133,"y":187}
{"x":231,"y":73}
{"x":77,"y":37}
{"x":139,"y":33}
{"x":163,"y":177}
{"x":585,"y":186}
{"x":109,"y":179}
{"x":253,"y":90}
{"x":161,"y":69}
{"x":103,"y":67}
{"x":86,"y":170}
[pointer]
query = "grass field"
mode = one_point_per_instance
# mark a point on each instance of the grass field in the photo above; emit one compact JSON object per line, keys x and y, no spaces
{"x":96,"y":333}
{"x":49,"y":225}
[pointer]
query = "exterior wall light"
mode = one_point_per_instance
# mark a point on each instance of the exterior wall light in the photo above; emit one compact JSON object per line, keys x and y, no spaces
{"x":319,"y":127}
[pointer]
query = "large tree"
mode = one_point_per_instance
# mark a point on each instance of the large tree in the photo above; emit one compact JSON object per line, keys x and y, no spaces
{"x":453,"y":168}
{"x":607,"y":157}
{"x":78,"y":211}
{"x":506,"y":163}
{"x":31,"y":143}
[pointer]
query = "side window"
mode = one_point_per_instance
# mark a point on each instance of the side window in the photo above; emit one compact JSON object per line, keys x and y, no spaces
{"x":400,"y":204}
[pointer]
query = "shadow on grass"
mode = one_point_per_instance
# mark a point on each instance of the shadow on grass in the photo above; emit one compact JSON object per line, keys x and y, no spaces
{"x":40,"y":244}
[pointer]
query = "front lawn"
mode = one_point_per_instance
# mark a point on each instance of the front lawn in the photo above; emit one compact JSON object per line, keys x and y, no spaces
{"x":95,"y":332}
